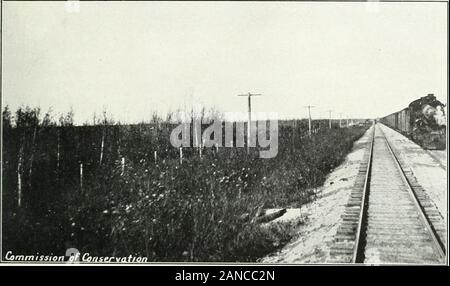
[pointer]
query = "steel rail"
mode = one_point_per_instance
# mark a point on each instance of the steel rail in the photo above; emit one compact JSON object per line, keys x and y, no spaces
{"x":358,"y":250}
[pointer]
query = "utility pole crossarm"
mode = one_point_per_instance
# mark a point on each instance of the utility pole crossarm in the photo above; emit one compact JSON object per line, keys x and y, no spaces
{"x":250,"y":94}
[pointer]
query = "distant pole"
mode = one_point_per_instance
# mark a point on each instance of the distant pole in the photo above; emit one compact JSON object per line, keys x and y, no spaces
{"x":19,"y":180}
{"x":329,"y":111}
{"x":102,"y":146}
{"x":57,"y":153}
{"x":294,"y":127}
{"x":123,"y":166}
{"x":340,"y":120}
{"x":310,"y":120}
{"x":81,"y":176}
{"x":249,"y":95}
{"x":181,"y":155}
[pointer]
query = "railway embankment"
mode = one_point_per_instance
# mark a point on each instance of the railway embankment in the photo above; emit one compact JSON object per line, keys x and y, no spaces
{"x":321,"y":218}
{"x":324,"y":218}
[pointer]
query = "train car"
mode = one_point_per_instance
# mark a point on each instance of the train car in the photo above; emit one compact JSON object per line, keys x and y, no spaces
{"x":424,"y":121}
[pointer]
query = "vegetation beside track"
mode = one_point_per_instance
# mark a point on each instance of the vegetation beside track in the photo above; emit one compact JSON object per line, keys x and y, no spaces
{"x":201,"y":210}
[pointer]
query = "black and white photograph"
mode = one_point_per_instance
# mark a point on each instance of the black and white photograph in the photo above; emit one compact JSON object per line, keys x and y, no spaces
{"x":259,"y":133}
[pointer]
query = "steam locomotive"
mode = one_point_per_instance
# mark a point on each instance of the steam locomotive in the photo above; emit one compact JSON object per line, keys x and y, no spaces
{"x":424,"y":121}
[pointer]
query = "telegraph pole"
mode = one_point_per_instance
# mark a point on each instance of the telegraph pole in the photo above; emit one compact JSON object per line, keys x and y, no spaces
{"x":309,"y":115}
{"x":294,"y":127}
{"x":330,"y":117}
{"x":249,"y":95}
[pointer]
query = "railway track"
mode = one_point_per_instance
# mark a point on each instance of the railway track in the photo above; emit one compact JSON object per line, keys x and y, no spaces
{"x":388,"y":219}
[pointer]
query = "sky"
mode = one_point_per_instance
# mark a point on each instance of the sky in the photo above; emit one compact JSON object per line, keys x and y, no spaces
{"x":364,"y":60}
